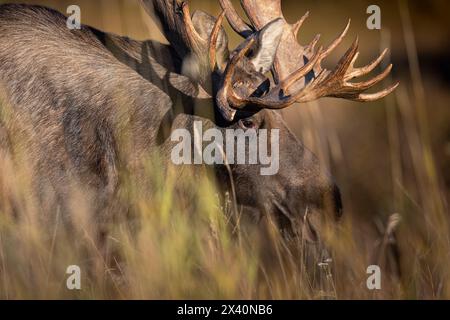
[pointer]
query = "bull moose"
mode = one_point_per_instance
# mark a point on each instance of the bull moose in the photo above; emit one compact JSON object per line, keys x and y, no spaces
{"x":71,"y":95}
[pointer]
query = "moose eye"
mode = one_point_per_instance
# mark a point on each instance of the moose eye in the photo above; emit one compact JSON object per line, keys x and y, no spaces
{"x":247,"y":124}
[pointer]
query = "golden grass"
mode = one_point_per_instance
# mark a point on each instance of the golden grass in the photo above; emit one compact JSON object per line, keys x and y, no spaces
{"x":179,"y":243}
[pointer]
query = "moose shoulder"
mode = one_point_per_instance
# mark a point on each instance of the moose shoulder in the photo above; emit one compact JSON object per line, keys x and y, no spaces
{"x":71,"y":96}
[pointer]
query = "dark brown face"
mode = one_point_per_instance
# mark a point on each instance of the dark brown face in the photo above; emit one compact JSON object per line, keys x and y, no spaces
{"x":299,"y":194}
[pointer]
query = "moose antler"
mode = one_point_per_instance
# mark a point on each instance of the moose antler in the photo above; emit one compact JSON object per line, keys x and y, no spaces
{"x":238,"y":25}
{"x":290,"y":74}
{"x":179,"y":29}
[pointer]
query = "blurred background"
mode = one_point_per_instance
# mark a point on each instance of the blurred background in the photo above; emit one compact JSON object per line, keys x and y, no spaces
{"x":387,"y":157}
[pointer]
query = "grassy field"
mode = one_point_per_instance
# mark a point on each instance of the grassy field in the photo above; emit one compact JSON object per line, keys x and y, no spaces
{"x":389,"y":158}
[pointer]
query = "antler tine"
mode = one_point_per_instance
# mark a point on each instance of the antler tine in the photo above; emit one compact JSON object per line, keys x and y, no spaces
{"x":309,"y":49}
{"x":368,"y":97}
{"x":303,"y":71}
{"x":336,"y":42}
{"x":195,"y":39}
{"x":213,"y":40}
{"x":338,"y":73}
{"x":236,"y":22}
{"x":296,"y":27}
{"x":358,"y":72}
{"x":370,"y":83}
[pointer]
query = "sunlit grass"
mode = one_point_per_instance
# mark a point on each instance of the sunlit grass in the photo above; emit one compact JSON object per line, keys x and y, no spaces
{"x":179,"y":243}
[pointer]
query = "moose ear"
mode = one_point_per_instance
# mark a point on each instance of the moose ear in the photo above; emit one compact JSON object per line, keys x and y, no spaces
{"x":268,"y":41}
{"x":204,"y":24}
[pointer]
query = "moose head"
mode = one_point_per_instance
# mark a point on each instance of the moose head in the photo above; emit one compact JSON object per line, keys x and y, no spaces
{"x":246,"y":96}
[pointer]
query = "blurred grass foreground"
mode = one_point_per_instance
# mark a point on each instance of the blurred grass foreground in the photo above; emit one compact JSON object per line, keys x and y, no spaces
{"x":179,"y":243}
